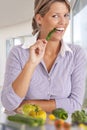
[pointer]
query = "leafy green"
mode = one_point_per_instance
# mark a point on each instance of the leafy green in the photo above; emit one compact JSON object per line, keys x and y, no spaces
{"x":79,"y":117}
{"x":60,"y":113}
{"x":50,"y":34}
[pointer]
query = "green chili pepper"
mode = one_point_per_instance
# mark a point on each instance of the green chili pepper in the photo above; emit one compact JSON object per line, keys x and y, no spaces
{"x":60,"y":113}
{"x":50,"y":34}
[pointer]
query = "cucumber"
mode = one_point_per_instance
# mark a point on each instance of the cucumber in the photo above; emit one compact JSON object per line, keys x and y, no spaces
{"x":26,"y":120}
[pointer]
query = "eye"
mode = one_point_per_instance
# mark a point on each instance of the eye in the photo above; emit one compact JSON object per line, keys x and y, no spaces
{"x":67,"y":16}
{"x":55,"y":16}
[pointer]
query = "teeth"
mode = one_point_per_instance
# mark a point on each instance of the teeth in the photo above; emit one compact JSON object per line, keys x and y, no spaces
{"x":60,"y":29}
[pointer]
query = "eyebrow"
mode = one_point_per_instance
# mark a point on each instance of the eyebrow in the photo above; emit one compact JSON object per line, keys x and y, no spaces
{"x":60,"y":13}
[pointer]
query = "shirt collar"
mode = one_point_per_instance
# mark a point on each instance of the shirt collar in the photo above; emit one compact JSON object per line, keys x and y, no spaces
{"x":64,"y":48}
{"x":32,"y":40}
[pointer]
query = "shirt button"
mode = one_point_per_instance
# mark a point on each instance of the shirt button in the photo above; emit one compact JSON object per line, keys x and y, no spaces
{"x":49,"y":78}
{"x":48,"y":93}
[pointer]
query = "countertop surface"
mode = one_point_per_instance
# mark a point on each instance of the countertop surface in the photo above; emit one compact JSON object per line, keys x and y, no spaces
{"x":8,"y":125}
{"x":5,"y":124}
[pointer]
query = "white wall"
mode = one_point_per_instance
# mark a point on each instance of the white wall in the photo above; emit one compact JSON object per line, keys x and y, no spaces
{"x":7,"y":33}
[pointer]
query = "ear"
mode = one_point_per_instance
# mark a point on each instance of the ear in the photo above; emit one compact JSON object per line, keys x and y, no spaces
{"x":38,"y":19}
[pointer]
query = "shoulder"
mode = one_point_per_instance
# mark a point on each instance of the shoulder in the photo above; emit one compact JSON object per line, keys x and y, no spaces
{"x":79,"y":53}
{"x":18,"y":51}
{"x":18,"y":54}
{"x":77,"y":50}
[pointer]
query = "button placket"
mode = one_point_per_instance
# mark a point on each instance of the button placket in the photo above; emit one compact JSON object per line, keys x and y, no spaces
{"x":49,"y":79}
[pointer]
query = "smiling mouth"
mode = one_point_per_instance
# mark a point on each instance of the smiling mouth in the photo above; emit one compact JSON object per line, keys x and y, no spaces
{"x":60,"y":29}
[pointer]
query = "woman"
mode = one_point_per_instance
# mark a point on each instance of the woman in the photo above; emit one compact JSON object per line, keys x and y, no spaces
{"x":49,"y":73}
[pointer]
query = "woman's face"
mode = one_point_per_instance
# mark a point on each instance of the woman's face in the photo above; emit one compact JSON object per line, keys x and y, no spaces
{"x":57,"y":17}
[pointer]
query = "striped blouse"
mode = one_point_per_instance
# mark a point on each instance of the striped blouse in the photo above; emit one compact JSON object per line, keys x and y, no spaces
{"x":65,"y":82}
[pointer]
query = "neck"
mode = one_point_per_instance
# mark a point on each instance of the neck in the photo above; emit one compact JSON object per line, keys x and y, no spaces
{"x":53,"y":48}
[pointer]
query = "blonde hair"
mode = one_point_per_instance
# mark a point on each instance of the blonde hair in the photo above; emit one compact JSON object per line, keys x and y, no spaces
{"x":42,"y":7}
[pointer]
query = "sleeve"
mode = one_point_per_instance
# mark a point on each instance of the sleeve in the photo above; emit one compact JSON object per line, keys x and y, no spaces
{"x":78,"y":83}
{"x":13,"y":67}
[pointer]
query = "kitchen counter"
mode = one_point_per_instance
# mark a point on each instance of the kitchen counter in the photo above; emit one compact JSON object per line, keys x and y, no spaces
{"x":8,"y":125}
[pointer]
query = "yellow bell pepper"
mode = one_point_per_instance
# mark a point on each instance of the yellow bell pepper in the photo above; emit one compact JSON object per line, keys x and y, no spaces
{"x":38,"y":114}
{"x":27,"y":108}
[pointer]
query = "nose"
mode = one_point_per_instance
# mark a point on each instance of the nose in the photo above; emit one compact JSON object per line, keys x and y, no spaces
{"x":62,"y":21}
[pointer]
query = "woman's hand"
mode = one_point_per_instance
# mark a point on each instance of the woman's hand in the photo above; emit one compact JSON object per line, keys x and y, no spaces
{"x":37,"y":51}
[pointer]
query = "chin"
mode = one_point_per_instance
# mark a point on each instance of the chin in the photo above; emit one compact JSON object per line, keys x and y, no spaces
{"x":57,"y":39}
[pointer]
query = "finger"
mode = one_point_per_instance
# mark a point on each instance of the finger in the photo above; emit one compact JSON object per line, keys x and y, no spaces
{"x":44,"y":41}
{"x":40,"y":45}
{"x":37,"y":50}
